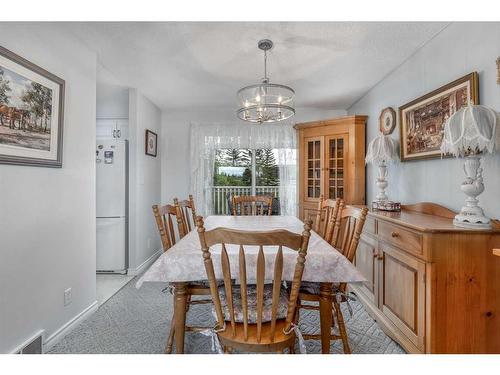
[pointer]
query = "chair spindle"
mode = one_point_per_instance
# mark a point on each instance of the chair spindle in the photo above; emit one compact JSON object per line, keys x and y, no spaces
{"x":226,"y":272}
{"x":278,"y":273}
{"x":243,"y":290}
{"x":261,"y":270}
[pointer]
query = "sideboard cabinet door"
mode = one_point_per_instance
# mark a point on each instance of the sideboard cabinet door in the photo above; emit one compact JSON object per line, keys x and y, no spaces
{"x":402,"y":292}
{"x":366,"y":262}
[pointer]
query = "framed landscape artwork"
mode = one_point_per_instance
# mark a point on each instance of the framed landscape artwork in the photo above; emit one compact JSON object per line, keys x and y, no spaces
{"x":422,"y":120}
{"x":31,"y":113}
{"x":151,"y":143}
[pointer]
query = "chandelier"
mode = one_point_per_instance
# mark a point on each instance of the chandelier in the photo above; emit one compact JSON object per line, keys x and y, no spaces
{"x":265,"y":102}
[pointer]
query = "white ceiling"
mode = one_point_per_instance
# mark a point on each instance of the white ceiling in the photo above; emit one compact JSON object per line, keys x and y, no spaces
{"x":180,"y":65}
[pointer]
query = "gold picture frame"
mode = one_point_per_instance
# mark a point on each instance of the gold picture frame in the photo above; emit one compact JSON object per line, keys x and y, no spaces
{"x":421,"y":121}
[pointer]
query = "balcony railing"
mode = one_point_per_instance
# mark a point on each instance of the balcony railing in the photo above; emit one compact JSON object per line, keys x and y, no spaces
{"x":220,"y":195}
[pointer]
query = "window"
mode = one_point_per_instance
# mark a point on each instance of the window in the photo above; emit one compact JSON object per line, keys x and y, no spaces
{"x":244,"y":172}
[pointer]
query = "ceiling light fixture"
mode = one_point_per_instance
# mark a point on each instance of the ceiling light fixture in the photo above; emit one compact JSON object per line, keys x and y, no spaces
{"x":265,"y":102}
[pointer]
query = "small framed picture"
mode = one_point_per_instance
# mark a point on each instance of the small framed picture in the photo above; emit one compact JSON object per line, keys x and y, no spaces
{"x":151,"y":143}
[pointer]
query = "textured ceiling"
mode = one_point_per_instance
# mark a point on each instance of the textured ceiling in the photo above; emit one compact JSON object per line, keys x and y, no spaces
{"x":202,"y":65}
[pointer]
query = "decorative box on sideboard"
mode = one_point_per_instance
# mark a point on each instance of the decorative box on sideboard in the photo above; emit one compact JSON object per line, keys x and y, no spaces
{"x":433,"y":287}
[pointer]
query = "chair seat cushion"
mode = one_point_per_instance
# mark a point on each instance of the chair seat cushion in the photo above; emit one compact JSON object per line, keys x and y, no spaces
{"x":252,"y":303}
{"x":199,"y":284}
{"x":313,"y":288}
{"x":204,"y":283}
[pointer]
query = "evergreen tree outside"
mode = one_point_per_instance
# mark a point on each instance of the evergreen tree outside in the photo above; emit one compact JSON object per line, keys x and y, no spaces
{"x":267,"y":171}
{"x":267,"y":168}
{"x":232,"y":158}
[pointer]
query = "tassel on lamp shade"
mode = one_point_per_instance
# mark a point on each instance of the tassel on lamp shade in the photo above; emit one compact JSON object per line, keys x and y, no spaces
{"x":468,"y":133}
{"x":381,"y":151}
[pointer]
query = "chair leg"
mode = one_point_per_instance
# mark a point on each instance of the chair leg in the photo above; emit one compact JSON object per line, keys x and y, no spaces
{"x":291,"y":350}
{"x":297,"y":313}
{"x":170,"y":340}
{"x":342,"y":330}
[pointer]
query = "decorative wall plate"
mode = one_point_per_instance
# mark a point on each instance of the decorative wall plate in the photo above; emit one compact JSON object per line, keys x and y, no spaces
{"x":387,"y":121}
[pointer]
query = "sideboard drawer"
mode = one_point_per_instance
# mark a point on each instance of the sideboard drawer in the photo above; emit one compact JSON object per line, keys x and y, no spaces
{"x":400,"y":237}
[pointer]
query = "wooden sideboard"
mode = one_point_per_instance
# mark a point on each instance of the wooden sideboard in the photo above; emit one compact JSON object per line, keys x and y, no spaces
{"x":331,"y":162}
{"x":433,"y":287}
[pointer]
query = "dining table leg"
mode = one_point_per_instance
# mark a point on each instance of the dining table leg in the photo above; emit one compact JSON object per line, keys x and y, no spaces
{"x":325,"y":315}
{"x":180,"y":302}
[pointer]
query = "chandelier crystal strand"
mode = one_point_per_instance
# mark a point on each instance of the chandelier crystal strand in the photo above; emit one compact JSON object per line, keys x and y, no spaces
{"x":265,"y":102}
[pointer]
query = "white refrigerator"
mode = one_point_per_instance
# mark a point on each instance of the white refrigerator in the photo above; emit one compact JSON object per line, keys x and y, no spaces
{"x":112,"y":207}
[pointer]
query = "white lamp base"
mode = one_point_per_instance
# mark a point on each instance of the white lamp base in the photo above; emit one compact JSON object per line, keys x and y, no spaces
{"x":471,"y":215}
{"x":458,"y":222}
{"x":382,"y":182}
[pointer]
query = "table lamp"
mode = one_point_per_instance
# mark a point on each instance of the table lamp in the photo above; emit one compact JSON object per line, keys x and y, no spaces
{"x":468,"y":133}
{"x":381,"y":151}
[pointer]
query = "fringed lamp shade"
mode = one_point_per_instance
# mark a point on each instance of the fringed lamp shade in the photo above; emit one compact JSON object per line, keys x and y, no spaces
{"x":381,"y":149}
{"x":469,"y":132}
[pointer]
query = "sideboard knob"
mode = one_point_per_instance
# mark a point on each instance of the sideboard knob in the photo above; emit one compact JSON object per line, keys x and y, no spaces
{"x":395,"y":234}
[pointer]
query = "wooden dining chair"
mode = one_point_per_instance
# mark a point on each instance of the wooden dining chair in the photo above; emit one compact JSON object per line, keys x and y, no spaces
{"x":165,"y":217}
{"x":188,"y":214}
{"x":254,"y":318}
{"x":252,"y":205}
{"x":328,"y":210}
{"x":347,"y":231}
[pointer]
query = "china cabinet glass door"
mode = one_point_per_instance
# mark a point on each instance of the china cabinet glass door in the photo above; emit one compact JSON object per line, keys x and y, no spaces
{"x":313,"y":168}
{"x":336,"y":160}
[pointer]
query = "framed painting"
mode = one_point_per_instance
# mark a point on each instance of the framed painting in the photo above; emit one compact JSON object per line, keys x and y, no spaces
{"x":151,"y":143}
{"x":31,"y":113}
{"x":422,"y":121}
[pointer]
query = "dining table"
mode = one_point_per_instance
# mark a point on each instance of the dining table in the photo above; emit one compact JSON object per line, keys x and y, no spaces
{"x":183,"y":263}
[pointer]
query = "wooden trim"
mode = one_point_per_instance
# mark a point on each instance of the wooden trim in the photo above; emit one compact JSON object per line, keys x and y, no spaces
{"x":315,"y":124}
{"x":429,"y":208}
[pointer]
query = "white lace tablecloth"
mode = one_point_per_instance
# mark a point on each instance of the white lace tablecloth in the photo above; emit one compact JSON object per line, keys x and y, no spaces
{"x":184,"y":261}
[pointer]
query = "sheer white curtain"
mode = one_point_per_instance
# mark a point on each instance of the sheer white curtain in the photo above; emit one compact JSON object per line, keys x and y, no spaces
{"x":206,"y":138}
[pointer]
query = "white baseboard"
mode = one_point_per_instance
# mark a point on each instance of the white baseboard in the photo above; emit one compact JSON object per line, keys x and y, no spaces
{"x":144,"y":265}
{"x":69,"y":326}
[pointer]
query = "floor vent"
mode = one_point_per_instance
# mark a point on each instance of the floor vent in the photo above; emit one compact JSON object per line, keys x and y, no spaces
{"x":32,"y":347}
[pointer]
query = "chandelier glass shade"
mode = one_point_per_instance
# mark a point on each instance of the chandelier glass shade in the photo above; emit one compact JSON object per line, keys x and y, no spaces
{"x":265,"y":102}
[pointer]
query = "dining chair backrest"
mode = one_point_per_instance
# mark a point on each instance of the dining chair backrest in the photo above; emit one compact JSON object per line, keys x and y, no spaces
{"x":188,"y":214}
{"x":328,"y":210}
{"x":252,"y":205}
{"x":165,"y":216}
{"x":348,"y":228}
{"x":281,"y":238}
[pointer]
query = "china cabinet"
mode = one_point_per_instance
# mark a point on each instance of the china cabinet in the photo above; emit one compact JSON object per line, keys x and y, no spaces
{"x":331,"y":162}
